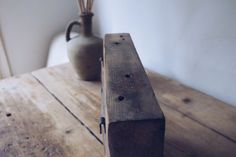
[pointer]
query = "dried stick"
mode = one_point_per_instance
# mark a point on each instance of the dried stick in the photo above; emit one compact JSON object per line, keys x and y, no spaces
{"x":79,"y":5}
{"x":87,"y":6}
{"x":90,"y":5}
{"x":92,"y":1}
{"x":83,"y":6}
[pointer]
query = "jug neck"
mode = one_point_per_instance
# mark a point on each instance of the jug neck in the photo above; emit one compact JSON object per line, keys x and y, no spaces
{"x":86,"y":24}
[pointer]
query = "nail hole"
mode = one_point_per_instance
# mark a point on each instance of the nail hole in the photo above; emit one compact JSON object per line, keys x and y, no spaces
{"x":128,"y":75}
{"x":121,"y":98}
{"x":68,"y":131}
{"x":8,"y":114}
{"x":116,"y":43}
{"x":186,"y":100}
{"x":121,"y":36}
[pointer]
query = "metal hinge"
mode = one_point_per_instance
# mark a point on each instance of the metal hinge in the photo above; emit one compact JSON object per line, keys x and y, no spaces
{"x":102,"y":125}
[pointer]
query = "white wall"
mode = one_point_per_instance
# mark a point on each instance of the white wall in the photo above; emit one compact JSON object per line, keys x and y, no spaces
{"x":28,"y":27}
{"x":193,"y":41}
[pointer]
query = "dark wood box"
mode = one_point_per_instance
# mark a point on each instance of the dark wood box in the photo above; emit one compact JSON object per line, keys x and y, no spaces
{"x":133,"y":121}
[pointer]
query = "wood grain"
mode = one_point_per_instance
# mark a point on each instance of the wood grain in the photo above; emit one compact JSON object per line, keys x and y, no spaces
{"x":82,"y":98}
{"x":185,"y":136}
{"x":203,"y":109}
{"x":129,"y":95}
{"x":34,"y":124}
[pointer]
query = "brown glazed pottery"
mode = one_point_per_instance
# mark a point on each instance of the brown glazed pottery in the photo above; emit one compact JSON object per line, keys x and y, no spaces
{"x":85,"y":50}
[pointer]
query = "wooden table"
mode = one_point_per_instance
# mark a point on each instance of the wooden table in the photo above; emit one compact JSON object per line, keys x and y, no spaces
{"x":50,"y":113}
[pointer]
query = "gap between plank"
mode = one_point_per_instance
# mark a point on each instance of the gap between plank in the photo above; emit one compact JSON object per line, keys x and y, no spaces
{"x":68,"y":110}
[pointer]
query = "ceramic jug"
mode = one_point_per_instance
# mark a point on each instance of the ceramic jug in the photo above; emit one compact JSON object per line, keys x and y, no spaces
{"x":85,"y":50}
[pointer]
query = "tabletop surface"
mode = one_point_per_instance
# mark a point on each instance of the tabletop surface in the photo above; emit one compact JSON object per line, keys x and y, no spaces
{"x":50,"y":113}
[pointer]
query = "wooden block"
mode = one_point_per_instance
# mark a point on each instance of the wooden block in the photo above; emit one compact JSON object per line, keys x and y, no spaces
{"x":134,"y":122}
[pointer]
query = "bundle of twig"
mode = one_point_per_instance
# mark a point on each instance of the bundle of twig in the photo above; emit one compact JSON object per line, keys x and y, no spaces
{"x":85,"y":6}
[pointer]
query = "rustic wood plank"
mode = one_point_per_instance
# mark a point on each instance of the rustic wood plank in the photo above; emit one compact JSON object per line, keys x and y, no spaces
{"x":193,"y":138}
{"x":204,"y":109}
{"x":82,"y":98}
{"x":135,"y":124}
{"x":184,"y":136}
{"x":34,"y":123}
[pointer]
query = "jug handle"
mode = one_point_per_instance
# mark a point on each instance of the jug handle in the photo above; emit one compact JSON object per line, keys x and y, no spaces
{"x":69,"y":29}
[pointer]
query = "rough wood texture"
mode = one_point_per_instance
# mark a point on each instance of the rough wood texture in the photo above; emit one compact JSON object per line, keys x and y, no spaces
{"x":187,"y":133}
{"x":34,"y":124}
{"x":129,"y":95}
{"x":203,"y":109}
{"x":135,"y":124}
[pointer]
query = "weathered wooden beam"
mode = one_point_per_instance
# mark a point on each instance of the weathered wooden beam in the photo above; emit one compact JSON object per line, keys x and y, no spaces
{"x":134,"y":123}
